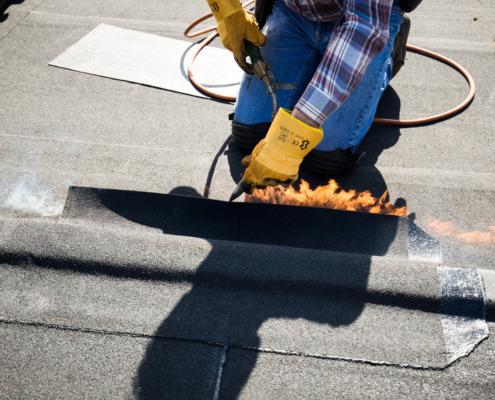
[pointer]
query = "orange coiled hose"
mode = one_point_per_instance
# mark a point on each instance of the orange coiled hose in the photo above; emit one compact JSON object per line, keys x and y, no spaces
{"x":212,"y":31}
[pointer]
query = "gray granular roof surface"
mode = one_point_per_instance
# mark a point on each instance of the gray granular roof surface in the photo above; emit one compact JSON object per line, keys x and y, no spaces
{"x":109,"y":294}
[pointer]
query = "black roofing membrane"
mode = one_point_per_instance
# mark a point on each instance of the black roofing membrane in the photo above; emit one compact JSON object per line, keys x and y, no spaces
{"x":304,"y":227}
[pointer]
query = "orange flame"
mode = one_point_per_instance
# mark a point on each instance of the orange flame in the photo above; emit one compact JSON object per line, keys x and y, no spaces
{"x":331,"y":195}
{"x":448,"y":228}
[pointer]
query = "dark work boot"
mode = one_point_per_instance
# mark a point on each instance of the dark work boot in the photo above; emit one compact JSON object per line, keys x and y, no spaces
{"x":399,"y":50}
{"x":330,"y":162}
{"x":248,"y":136}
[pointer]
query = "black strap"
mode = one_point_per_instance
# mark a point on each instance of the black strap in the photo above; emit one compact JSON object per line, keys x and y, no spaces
{"x":409,"y":5}
{"x":262,"y":10}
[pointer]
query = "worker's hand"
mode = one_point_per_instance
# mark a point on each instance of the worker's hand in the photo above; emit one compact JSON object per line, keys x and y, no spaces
{"x":276,"y":159}
{"x":234,"y":26}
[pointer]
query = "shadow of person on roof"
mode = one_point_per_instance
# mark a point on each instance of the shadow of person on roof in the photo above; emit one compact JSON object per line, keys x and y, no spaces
{"x":237,"y":295}
{"x":239,"y":313}
{"x":240,"y":292}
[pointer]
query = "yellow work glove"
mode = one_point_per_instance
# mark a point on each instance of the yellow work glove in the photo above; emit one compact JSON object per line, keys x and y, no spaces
{"x":234,"y":25}
{"x":276,"y":158}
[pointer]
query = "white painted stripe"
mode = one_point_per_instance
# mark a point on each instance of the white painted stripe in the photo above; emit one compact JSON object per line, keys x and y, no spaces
{"x":463,"y":310}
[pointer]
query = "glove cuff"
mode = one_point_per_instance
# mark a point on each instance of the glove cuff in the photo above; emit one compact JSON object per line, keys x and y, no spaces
{"x":222,"y":9}
{"x":287,"y":142}
{"x":291,"y":136}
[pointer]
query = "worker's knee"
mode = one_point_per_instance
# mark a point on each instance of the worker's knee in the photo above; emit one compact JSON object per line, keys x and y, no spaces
{"x":322,"y":162}
{"x":330,"y":162}
{"x":248,"y":136}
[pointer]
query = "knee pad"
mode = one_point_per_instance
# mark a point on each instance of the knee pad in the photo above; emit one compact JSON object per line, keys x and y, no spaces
{"x":399,"y":50}
{"x":248,"y":136}
{"x":330,"y":162}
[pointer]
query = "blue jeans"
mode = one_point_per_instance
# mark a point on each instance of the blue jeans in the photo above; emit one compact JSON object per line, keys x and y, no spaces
{"x":294,"y":48}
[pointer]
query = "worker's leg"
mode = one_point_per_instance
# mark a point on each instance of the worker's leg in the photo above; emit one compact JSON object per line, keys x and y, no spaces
{"x":347,"y":126}
{"x":292,"y":52}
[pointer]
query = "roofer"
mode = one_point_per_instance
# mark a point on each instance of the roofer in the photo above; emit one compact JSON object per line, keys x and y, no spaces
{"x":339,"y":55}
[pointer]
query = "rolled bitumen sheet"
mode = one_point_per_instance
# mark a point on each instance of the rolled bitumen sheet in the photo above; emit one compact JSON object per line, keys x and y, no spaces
{"x":151,"y":60}
{"x":303,"y":227}
{"x":104,"y":273}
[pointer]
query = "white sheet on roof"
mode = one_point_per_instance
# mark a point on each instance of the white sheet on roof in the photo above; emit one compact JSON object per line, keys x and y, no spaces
{"x":151,"y":60}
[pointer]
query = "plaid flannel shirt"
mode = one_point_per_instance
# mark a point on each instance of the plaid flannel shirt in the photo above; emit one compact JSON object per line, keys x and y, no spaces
{"x":361,"y":33}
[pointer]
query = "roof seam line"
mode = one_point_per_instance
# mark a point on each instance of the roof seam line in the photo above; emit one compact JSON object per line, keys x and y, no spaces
{"x":224,"y":346}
